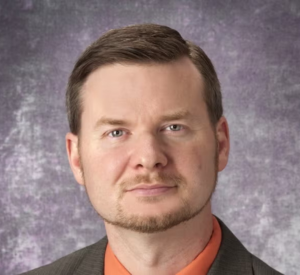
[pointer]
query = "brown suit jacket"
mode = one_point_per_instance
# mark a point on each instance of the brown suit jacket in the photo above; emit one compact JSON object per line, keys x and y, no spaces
{"x":232,"y":259}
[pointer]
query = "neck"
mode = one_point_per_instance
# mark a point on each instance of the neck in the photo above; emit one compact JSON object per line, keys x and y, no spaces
{"x":165,"y":252}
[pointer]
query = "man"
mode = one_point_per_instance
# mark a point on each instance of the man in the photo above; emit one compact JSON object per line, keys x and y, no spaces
{"x":148,"y":138}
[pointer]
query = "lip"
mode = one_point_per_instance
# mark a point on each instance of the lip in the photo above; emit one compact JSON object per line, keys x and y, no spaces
{"x":150,"y":189}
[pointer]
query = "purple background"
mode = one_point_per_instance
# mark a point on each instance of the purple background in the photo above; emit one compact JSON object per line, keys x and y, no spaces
{"x":255,"y":47}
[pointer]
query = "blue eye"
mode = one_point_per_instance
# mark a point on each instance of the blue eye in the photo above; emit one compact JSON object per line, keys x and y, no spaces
{"x":116,"y":133}
{"x":175,"y":127}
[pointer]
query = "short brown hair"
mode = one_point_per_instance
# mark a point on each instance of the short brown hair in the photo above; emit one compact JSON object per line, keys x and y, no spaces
{"x":145,"y":43}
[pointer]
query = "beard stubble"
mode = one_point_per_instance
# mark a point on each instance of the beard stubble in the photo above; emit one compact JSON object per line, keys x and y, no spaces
{"x":158,"y":223}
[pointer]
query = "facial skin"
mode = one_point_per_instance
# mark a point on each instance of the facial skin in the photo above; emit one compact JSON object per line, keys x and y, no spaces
{"x":148,"y":155}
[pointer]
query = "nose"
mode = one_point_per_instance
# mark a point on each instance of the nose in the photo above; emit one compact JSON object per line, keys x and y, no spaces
{"x":148,"y":154}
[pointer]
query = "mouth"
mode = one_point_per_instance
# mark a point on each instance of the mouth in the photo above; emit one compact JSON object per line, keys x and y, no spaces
{"x":151,"y":189}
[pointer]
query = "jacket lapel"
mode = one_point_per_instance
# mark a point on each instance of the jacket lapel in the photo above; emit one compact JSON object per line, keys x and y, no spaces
{"x":232,"y":258}
{"x":93,"y":262}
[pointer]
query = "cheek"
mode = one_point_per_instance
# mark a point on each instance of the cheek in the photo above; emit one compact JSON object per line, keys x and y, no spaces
{"x":112,"y":164}
{"x":101,"y":173}
{"x":196,"y":163}
{"x":199,"y":171}
{"x":107,"y":166}
{"x":190,"y":157}
{"x":103,"y":169}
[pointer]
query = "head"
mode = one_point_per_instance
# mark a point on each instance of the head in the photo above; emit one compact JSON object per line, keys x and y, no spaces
{"x":147,"y":133}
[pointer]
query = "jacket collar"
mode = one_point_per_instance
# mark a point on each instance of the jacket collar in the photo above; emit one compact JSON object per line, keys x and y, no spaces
{"x":93,"y":262}
{"x":233,"y":257}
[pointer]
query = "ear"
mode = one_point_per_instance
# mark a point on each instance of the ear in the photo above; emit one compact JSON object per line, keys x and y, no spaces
{"x":222,"y":133}
{"x":74,"y":157}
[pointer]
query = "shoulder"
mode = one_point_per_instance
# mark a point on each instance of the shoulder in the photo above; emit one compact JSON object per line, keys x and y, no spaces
{"x":234,"y":258}
{"x":70,"y":264}
{"x":261,"y":268}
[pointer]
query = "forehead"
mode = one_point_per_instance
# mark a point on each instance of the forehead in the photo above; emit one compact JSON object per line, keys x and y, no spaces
{"x":121,"y":89}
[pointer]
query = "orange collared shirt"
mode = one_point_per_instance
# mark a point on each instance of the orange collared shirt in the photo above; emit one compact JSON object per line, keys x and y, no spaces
{"x":199,"y":266}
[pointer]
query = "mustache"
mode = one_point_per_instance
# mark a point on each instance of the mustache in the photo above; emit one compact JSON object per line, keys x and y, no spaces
{"x":166,"y":179}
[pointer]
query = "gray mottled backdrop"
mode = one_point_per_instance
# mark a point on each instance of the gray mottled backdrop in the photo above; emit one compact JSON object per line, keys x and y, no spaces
{"x":255,"y":47}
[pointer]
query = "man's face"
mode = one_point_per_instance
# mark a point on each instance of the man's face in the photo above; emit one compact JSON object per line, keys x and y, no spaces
{"x":147,"y":154}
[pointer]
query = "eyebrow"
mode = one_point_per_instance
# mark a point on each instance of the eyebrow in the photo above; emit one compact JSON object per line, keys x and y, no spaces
{"x":110,"y":121}
{"x":120,"y":122}
{"x":175,"y":116}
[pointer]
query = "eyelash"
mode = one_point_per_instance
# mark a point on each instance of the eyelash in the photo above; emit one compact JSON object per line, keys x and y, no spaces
{"x":181,"y":127}
{"x":119,"y":130}
{"x":123,"y":131}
